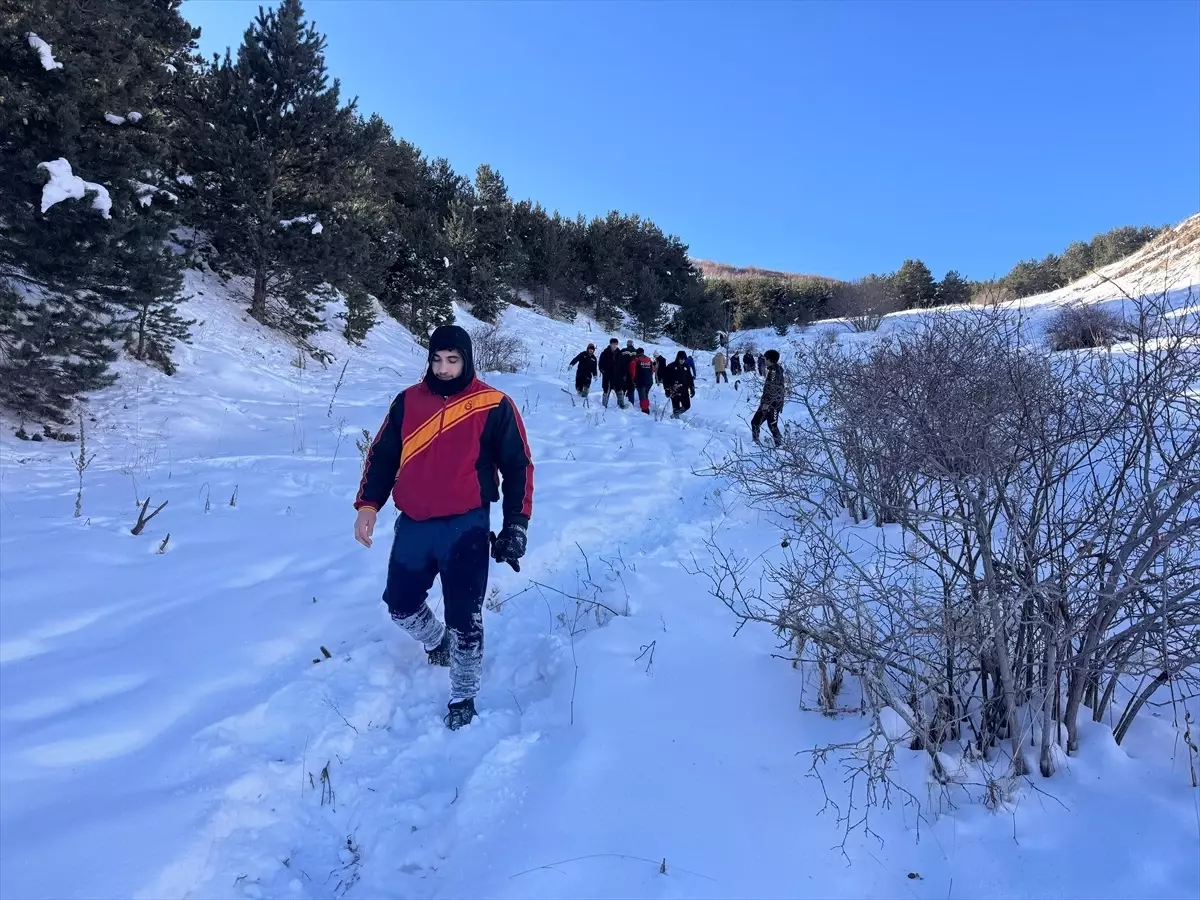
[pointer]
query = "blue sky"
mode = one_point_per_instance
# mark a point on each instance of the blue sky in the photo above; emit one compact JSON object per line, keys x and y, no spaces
{"x":832,"y":138}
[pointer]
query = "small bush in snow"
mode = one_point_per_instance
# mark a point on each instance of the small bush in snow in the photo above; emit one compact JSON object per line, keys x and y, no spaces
{"x":1084,"y":327}
{"x":497,"y":350}
{"x":1042,"y":552}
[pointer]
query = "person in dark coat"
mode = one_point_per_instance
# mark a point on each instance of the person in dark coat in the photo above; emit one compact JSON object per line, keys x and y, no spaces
{"x":611,"y":375}
{"x":773,"y":396}
{"x":679,"y":385}
{"x":627,"y":355}
{"x":735,"y":365}
{"x":588,"y":367}
{"x":641,"y":374}
{"x":660,"y":366}
{"x":748,"y":362}
{"x":762,"y":363}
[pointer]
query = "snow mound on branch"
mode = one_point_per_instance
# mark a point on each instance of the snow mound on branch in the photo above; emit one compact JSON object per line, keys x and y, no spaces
{"x":48,"y":61}
{"x":146,"y":192}
{"x":310,"y":218}
{"x":64,"y":185}
{"x":114,"y":120}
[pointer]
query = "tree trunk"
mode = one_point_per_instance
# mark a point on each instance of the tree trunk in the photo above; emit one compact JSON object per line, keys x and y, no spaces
{"x":258,"y":303}
{"x":1046,"y":756}
{"x":141,"y":341}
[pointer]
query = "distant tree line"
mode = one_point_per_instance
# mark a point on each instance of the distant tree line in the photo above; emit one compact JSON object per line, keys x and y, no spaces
{"x":126,"y":157}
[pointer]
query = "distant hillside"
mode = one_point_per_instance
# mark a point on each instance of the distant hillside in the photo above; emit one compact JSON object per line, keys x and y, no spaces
{"x":712,"y":270}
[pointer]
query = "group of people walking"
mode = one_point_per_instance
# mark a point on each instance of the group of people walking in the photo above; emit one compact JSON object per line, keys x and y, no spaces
{"x":737,"y":364}
{"x":627,"y":371}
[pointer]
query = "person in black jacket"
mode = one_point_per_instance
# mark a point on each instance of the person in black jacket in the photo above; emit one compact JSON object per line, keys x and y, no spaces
{"x":611,"y":378}
{"x":660,"y":366}
{"x":773,"y":395}
{"x":748,"y":362}
{"x":587,"y":370}
{"x":628,"y":354}
{"x":679,"y":385}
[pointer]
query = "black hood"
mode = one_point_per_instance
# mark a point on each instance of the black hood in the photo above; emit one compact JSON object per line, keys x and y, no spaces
{"x":450,"y":337}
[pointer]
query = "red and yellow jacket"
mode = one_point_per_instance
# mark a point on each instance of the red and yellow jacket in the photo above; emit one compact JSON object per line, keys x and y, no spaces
{"x":443,"y":456}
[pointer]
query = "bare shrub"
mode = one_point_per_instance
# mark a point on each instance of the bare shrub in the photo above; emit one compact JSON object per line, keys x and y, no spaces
{"x":1081,"y":326}
{"x":1043,"y":548}
{"x":497,"y":350}
{"x":864,"y":303}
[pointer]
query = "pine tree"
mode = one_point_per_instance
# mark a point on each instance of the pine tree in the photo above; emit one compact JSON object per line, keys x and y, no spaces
{"x":953,"y":289}
{"x":417,"y":286}
{"x":275,"y":156}
{"x":489,"y":276}
{"x":915,"y":285}
{"x":87,"y":210}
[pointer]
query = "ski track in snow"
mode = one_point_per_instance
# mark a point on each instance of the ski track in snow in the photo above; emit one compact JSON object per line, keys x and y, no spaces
{"x":173,"y":728}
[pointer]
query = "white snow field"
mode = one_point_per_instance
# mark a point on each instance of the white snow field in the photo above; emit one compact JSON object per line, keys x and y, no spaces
{"x":236,"y":716}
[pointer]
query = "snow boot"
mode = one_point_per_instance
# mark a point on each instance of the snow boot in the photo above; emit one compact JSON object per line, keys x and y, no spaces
{"x":460,"y":713}
{"x":440,"y":655}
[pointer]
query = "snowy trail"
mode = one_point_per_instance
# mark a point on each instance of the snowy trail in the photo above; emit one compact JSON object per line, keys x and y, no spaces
{"x":402,"y":795}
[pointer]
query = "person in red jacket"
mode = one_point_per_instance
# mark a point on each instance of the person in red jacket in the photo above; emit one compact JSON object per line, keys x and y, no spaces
{"x":440,"y":454}
{"x":641,"y":376}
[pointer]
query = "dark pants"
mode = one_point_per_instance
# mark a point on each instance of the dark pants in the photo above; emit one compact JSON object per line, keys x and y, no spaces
{"x":721,"y":375}
{"x":770,"y":415}
{"x":681,"y":401}
{"x":644,"y":397}
{"x":583,"y":385}
{"x":457,"y":549}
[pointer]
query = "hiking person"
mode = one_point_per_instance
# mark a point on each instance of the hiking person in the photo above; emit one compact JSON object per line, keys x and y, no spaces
{"x":609,"y":373}
{"x":627,"y":356}
{"x":440,"y":453}
{"x":587,"y":370}
{"x":641,"y":376}
{"x":735,"y":364}
{"x":748,"y":363}
{"x":762,"y":364}
{"x":719,"y":367}
{"x":773,"y":395}
{"x":660,"y":366}
{"x":679,"y":385}
{"x":691,"y":364}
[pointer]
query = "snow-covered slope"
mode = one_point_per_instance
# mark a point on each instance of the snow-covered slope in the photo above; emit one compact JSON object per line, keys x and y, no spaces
{"x":229,"y":712}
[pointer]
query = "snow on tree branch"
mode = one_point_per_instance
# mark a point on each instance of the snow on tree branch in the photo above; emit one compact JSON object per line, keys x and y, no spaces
{"x":121,"y":120}
{"x":49,"y":63}
{"x":310,"y":218}
{"x":64,"y":185}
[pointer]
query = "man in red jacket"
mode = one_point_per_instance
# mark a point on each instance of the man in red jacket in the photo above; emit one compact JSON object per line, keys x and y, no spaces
{"x":440,"y":453}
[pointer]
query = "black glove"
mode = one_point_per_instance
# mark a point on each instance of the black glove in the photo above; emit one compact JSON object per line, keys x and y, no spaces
{"x":693,"y":390}
{"x":509,"y":546}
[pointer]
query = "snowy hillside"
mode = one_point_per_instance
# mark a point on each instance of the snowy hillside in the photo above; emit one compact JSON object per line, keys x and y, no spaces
{"x":220,"y":706}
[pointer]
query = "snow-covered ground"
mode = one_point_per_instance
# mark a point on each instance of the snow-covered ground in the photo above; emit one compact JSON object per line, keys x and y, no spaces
{"x":236,"y":716}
